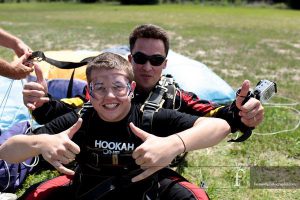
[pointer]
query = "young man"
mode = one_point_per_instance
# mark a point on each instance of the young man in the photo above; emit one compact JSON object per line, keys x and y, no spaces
{"x":113,"y":150}
{"x":17,"y":69}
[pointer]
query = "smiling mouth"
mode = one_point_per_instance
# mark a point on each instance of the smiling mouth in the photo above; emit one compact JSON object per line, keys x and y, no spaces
{"x":111,"y":105}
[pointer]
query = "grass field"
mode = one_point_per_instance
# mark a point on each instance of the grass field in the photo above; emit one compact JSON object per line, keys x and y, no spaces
{"x":236,"y":42}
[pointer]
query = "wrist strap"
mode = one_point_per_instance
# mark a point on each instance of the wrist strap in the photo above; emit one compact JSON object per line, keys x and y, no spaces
{"x":184,"y":150}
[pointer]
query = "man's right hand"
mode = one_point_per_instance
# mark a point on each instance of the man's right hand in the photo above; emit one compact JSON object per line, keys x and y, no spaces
{"x":20,"y":68}
{"x":34,"y":93}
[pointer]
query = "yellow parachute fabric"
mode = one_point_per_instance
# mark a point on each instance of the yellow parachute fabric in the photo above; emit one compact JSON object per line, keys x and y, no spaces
{"x":52,"y":72}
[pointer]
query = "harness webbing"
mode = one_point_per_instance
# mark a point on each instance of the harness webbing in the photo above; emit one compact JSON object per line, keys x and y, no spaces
{"x":110,"y":184}
{"x":166,"y":89}
{"x":39,"y":56}
{"x":156,"y":99}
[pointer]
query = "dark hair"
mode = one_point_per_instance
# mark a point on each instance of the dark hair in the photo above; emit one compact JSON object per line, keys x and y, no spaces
{"x":109,"y":61}
{"x":149,"y":31}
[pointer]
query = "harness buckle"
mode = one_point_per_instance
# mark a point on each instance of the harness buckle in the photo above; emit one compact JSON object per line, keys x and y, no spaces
{"x":115,"y":159}
{"x":152,"y":106}
{"x":165,"y":89}
{"x":37,"y":56}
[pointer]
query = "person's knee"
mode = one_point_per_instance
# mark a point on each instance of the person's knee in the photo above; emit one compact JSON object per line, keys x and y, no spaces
{"x":178,"y":189}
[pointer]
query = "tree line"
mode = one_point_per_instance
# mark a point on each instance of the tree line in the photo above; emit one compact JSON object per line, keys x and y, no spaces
{"x":293,"y":4}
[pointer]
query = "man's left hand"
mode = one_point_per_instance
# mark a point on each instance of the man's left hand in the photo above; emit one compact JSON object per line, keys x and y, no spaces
{"x":252,"y":112}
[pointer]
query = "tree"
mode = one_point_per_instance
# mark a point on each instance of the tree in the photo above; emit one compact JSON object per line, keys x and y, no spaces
{"x":139,"y":2}
{"x":294,"y":4}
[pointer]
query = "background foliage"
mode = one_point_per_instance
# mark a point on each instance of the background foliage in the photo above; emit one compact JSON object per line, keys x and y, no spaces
{"x":294,"y":4}
{"x":237,"y":42}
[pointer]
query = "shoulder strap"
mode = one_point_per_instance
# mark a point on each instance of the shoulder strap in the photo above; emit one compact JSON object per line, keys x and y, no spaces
{"x":86,"y":108}
{"x":164,"y":89}
{"x":85,"y":114}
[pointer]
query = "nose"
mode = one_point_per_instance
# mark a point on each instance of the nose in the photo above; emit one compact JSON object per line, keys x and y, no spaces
{"x":110,"y":93}
{"x":147,"y":66}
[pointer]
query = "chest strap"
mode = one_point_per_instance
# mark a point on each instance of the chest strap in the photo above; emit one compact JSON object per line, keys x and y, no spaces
{"x":164,"y":89}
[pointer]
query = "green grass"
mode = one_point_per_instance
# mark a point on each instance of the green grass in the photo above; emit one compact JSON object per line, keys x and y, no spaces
{"x":236,"y":42}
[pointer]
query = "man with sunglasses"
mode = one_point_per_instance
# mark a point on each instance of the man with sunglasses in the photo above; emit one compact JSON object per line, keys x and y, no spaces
{"x":149,"y":45}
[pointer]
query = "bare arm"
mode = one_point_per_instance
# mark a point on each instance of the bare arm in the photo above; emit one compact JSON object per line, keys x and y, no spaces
{"x":56,"y":149}
{"x":21,"y":147}
{"x":10,"y":41}
{"x":206,"y":132}
{"x":158,"y":152}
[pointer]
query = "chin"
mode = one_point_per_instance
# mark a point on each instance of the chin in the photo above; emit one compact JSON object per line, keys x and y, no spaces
{"x":111,"y":119}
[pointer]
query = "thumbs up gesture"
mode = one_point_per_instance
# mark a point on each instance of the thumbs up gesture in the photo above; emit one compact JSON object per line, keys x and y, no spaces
{"x":252,"y":111}
{"x":34,"y":92}
{"x":154,"y":153}
{"x":59,"y":149}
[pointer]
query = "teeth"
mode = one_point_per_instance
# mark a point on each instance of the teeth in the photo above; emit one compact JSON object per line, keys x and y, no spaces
{"x":111,"y":105}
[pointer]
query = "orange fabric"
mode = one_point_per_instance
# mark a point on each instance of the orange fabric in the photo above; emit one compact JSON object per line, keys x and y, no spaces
{"x":42,"y":191}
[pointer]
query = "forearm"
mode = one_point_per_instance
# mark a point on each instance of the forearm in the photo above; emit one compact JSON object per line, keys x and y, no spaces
{"x":206,"y":132}
{"x":8,"y":40}
{"x":230,"y":114}
{"x":6,"y":69}
{"x":21,"y":147}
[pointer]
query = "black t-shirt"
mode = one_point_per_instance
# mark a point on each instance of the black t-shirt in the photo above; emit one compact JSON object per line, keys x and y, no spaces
{"x":108,"y":138}
{"x":106,"y":147}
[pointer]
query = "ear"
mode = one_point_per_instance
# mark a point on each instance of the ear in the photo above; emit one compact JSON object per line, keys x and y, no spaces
{"x":165,"y":64}
{"x":89,"y":91}
{"x":129,"y":57}
{"x":132,"y":86}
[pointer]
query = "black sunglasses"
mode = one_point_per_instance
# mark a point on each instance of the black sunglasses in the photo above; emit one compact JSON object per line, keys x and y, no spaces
{"x":141,"y":58}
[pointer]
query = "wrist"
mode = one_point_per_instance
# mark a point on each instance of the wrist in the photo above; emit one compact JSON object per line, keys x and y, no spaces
{"x":38,"y":143}
{"x":180,"y":144}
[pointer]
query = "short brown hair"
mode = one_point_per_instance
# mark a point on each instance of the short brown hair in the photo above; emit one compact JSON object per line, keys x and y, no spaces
{"x":149,"y":31}
{"x":109,"y":61}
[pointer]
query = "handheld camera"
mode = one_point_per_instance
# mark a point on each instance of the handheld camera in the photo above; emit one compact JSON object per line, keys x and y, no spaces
{"x":264,"y":90}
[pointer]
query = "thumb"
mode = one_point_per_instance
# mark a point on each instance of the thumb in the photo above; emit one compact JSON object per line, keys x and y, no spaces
{"x":39,"y":74}
{"x":243,"y":93}
{"x":40,"y":77}
{"x":24,"y":57}
{"x":143,"y":135}
{"x":73,"y":129}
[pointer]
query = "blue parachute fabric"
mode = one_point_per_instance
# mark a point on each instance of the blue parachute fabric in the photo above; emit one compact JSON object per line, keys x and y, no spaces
{"x":14,"y":120}
{"x":12,"y":175}
{"x":192,"y":76}
{"x":12,"y":109}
